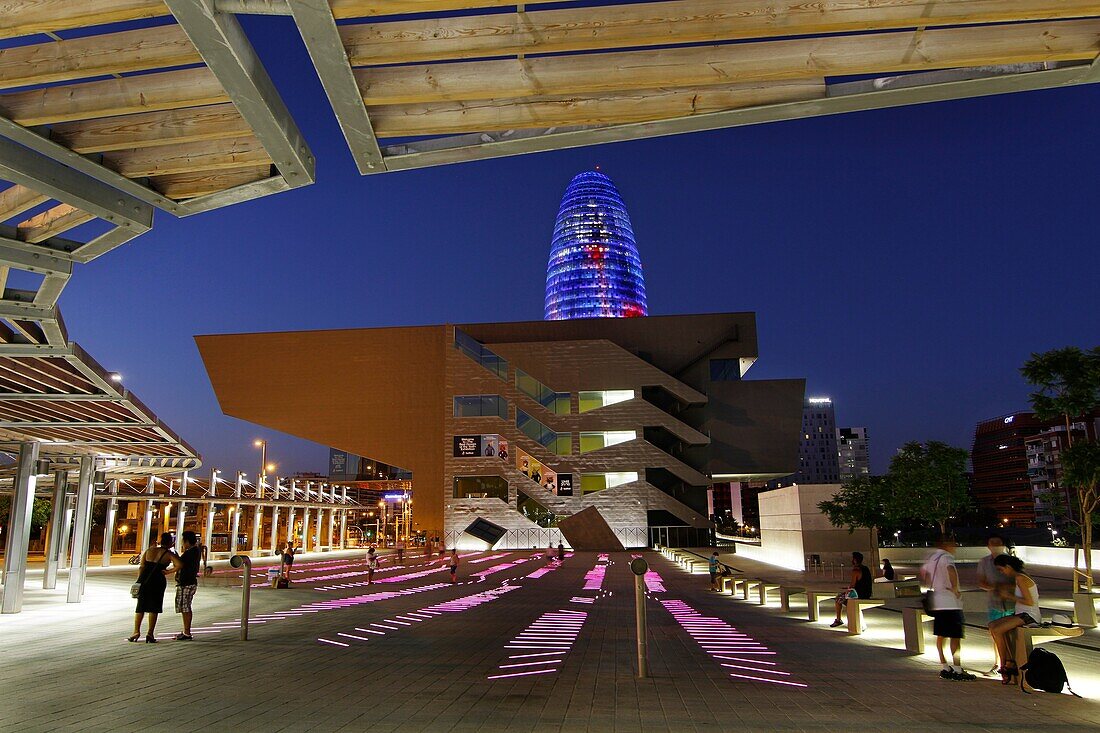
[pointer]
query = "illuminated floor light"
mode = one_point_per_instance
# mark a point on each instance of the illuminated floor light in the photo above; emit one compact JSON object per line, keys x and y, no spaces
{"x":762,"y":679}
{"x":530,"y":664}
{"x":540,"y":654}
{"x":371,"y":631}
{"x":521,"y":674}
{"x":754,"y":669}
{"x":330,"y":641}
{"x":352,"y":636}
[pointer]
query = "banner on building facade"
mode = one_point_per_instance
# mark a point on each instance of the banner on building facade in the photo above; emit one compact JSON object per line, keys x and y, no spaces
{"x":565,"y":484}
{"x":467,"y":446}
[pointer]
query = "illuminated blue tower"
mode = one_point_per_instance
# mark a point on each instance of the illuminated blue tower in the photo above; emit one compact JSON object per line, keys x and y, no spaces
{"x":594,"y":269}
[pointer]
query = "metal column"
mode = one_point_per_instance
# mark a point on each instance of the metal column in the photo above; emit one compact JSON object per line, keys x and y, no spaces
{"x":290,"y":524}
{"x":305,"y":525}
{"x":234,"y":529}
{"x":57,"y":515}
{"x":274,"y":528}
{"x":317,"y":529}
{"x":257,"y":523}
{"x":19,"y":529}
{"x":181,"y":517}
{"x":343,"y":528}
{"x":64,"y":559}
{"x":208,"y":532}
{"x":109,"y":525}
{"x":82,"y":535}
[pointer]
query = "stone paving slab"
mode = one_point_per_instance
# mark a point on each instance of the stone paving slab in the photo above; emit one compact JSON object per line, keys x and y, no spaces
{"x":75,"y":672}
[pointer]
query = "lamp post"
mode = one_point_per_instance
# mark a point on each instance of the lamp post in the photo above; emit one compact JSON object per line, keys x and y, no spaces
{"x":262,"y":445}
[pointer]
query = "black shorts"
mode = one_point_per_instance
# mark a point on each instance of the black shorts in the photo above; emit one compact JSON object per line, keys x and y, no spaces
{"x":948,"y":623}
{"x":713,"y":577}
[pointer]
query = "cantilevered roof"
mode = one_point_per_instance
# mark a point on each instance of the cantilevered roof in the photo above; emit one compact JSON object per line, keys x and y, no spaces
{"x":60,"y":397}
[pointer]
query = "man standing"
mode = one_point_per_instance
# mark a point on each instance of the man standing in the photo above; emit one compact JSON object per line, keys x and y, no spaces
{"x":939,"y":573}
{"x":561,"y":552}
{"x":187,"y":580}
{"x":715,"y":568}
{"x":993,"y":582}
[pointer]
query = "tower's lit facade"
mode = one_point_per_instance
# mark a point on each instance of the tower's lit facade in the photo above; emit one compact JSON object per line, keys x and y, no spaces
{"x":594,"y":269}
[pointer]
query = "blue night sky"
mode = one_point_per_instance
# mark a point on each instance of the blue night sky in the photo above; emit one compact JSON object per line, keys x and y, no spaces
{"x":905,"y":262}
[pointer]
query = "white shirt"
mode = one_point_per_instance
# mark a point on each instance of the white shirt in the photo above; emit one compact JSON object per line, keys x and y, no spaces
{"x":937,"y":569}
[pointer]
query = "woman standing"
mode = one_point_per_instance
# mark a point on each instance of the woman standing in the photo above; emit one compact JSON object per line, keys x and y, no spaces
{"x":454,"y":566}
{"x":372,"y":564}
{"x":288,"y":559}
{"x":1027,"y":612}
{"x":153,"y":580}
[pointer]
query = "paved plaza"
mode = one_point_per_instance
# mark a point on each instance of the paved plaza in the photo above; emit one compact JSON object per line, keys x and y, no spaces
{"x":520,"y":643}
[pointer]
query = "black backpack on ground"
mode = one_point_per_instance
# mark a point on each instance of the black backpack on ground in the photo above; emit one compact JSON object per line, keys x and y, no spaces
{"x":1044,"y":671}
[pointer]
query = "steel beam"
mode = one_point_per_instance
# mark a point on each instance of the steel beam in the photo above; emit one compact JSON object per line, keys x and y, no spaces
{"x":322,"y":39}
{"x":253,"y":7}
{"x":225,"y":48}
{"x":83,"y":529}
{"x":109,"y":525}
{"x":85,"y":165}
{"x":34,"y":170}
{"x":19,"y":529}
{"x":474,"y":147}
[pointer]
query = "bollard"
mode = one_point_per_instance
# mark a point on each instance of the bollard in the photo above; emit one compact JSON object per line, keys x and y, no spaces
{"x":246,"y":589}
{"x":639,"y":566}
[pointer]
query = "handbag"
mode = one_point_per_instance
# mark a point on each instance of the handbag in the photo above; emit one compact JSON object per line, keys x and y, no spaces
{"x":926,"y":601}
{"x":135,"y":588}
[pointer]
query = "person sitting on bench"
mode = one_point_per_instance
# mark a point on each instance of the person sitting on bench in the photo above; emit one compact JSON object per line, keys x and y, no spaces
{"x":860,"y":585}
{"x":1027,"y":612}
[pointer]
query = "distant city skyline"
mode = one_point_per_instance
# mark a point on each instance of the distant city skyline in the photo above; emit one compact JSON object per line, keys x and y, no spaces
{"x":889,"y":256}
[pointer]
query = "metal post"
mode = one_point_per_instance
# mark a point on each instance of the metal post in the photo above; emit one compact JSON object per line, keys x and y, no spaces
{"x":290,"y":524}
{"x":276,"y":487}
{"x":57,"y":514}
{"x":19,"y":529}
{"x":639,"y":567}
{"x":181,"y":517}
{"x":83,"y":528}
{"x":109,"y":525}
{"x":234,"y":529}
{"x":274,"y":526}
{"x":63,"y":560}
{"x":257,"y":521}
{"x":317,"y":529}
{"x":305,"y":524}
{"x":343,"y":528}
{"x":147,"y":522}
{"x":238,"y":561}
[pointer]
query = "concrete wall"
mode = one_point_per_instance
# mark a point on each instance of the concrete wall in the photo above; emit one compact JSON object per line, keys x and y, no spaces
{"x":1059,"y":557}
{"x":792,"y":527}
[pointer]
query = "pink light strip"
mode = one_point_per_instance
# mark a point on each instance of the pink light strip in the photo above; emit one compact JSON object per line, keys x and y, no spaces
{"x":521,"y":674}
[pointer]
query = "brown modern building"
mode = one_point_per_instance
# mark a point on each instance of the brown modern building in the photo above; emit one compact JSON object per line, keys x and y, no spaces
{"x":1016,"y":460}
{"x":509,"y":428}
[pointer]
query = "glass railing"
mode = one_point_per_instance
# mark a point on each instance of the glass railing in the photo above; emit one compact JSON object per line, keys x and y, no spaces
{"x":559,"y":443}
{"x":473,"y":348}
{"x":555,"y":402}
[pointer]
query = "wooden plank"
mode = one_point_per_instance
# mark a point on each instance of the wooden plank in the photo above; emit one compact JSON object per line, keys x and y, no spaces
{"x":443,"y":118}
{"x":673,"y":22}
{"x":189,"y":185}
{"x":150,"y":129}
{"x":240,"y":152}
{"x":51,"y":222}
{"x":129,"y":95}
{"x":16,"y":199}
{"x":84,"y":58}
{"x":26,"y":17}
{"x":344,"y":9}
{"x":731,"y":63}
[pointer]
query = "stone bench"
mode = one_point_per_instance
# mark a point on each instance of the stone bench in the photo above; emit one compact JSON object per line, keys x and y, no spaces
{"x":814,"y":599}
{"x":905,"y":588}
{"x":1027,"y":638}
{"x":762,"y":589}
{"x":785,"y":593}
{"x":1084,"y":609}
{"x":912,"y":623}
{"x":855,"y":608}
{"x":729,"y":582}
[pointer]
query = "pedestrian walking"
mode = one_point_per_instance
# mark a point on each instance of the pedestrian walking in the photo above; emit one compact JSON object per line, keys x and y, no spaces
{"x":939,"y":574}
{"x":561,"y":552}
{"x":157,"y":563}
{"x":187,"y":580}
{"x":372,"y":564}
{"x":454,"y":566}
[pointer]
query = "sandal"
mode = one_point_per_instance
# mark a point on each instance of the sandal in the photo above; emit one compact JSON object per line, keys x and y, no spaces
{"x":135,"y":637}
{"x":1009,"y":675}
{"x":150,"y":639}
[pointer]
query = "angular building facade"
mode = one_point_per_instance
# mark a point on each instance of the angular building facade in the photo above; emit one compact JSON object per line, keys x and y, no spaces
{"x":512,"y":428}
{"x":594,"y":269}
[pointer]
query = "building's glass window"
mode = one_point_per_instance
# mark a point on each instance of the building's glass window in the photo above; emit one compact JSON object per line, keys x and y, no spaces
{"x":725,"y":370}
{"x":481,"y":487}
{"x":593,"y":400}
{"x":559,"y":443}
{"x":483,"y":405}
{"x":472,"y":348}
{"x":593,"y":482}
{"x":535,"y":511}
{"x":595,"y":441}
{"x":555,"y":402}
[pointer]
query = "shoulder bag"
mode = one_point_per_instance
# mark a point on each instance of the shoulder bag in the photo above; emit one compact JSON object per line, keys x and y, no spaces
{"x":135,"y":588}
{"x":926,"y":599}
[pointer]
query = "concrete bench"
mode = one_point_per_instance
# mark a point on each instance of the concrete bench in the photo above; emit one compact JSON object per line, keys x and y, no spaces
{"x":814,"y":599}
{"x":785,"y":593}
{"x":729,"y":582}
{"x":762,"y":589}
{"x":912,"y":622}
{"x":1084,"y":609}
{"x":855,"y":608}
{"x":905,"y":588}
{"x":1027,"y":638}
{"x":747,"y":583}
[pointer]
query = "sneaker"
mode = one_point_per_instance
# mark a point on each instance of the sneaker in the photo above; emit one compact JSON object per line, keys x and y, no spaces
{"x":947,"y":674}
{"x":184,"y":637}
{"x":963,"y":676}
{"x":834,"y":624}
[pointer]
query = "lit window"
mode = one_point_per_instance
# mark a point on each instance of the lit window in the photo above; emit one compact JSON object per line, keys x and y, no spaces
{"x":606,"y":439}
{"x":595,"y":400}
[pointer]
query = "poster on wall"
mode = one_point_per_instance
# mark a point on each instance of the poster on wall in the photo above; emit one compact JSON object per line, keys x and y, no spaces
{"x":502,"y":448}
{"x":565,"y":484}
{"x":467,"y":446}
{"x":490,"y":444}
{"x":542,"y":475}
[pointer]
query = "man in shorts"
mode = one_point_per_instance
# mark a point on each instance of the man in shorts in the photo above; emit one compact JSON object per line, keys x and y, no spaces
{"x":939,"y":574}
{"x":187,"y":580}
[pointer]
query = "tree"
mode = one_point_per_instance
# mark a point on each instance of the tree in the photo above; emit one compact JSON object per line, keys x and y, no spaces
{"x":864,"y":502}
{"x":929,"y":482}
{"x":1068,"y":382}
{"x":1081,"y":471}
